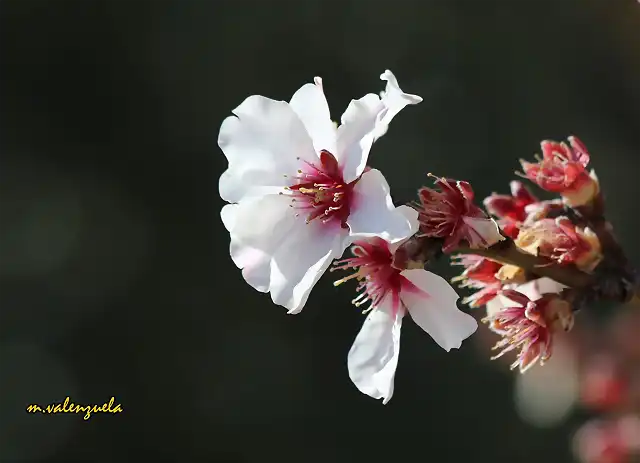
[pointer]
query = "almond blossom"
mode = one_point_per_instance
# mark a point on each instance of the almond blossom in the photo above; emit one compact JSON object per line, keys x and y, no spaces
{"x":299,"y":189}
{"x":392,"y":293}
{"x":528,"y":322}
{"x":450,"y":214}
{"x":562,"y":169}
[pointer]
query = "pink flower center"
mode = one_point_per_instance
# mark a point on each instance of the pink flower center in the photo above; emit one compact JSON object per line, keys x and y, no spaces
{"x":322,"y":192}
{"x":372,"y":268}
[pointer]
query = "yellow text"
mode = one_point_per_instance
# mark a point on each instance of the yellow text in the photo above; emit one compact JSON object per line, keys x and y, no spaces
{"x":69,"y":407}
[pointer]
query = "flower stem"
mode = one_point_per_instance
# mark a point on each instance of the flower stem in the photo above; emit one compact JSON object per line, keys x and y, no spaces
{"x":506,"y":252}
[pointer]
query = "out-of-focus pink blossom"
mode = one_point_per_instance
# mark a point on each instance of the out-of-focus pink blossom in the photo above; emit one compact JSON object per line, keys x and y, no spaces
{"x":561,"y":241}
{"x":600,"y":441}
{"x":528,"y":325}
{"x":562,"y":169}
{"x":451,"y":214}
{"x":602,"y":386}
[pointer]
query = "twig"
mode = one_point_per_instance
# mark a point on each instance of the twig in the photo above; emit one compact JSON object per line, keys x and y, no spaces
{"x":506,"y":252}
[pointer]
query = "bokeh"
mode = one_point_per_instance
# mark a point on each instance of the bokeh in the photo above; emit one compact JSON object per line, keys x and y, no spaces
{"x":115,"y":277}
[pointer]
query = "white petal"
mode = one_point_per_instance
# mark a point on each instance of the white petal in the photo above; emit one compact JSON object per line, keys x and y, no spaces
{"x":258,"y":227}
{"x":373,"y":358}
{"x":534,"y":289}
{"x":394,"y":100}
{"x":262,"y":222}
{"x":299,"y":262}
{"x":279,"y":252}
{"x":261,"y":145}
{"x":355,"y":135}
{"x":311,"y":106}
{"x":482,"y":232}
{"x":255,"y":264}
{"x":373,"y":213}
{"x":495,"y":305}
{"x":229,"y":214}
{"x":438,"y":313}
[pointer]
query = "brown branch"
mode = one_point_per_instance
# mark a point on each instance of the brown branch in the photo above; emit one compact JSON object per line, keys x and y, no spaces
{"x":506,"y":252}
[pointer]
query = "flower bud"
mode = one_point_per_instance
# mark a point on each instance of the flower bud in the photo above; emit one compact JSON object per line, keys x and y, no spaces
{"x":562,"y":169}
{"x":561,"y":241}
{"x":510,"y":209}
{"x":510,"y":206}
{"x":480,"y":274}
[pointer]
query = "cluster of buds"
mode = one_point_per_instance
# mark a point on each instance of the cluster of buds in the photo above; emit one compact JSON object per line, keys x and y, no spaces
{"x":301,"y":192}
{"x":517,"y":294}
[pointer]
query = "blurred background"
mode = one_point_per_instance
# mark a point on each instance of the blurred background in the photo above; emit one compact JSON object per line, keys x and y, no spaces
{"x":115,"y":277}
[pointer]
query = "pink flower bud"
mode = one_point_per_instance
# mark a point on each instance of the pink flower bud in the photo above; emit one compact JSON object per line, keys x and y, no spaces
{"x":529,"y":326}
{"x":451,"y":214}
{"x":478,"y":269}
{"x":510,"y":206}
{"x":561,"y":241}
{"x":510,"y":209}
{"x":562,"y":169}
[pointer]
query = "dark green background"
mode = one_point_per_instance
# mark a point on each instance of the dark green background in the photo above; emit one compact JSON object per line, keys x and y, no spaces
{"x":115,"y":277}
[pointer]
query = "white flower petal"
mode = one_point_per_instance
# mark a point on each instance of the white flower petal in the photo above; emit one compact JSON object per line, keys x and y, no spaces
{"x":258,"y":227}
{"x":299,"y":262}
{"x":394,"y":100}
{"x":262,"y":222}
{"x":535,"y":289}
{"x":229,"y":215}
{"x":373,"y":213}
{"x":311,"y":106}
{"x":373,"y":358}
{"x":366,"y":120}
{"x":437,"y":314}
{"x":495,"y":305}
{"x":261,"y":145}
{"x":255,"y":264}
{"x":482,"y":232}
{"x":355,"y":135}
{"x":279,"y":252}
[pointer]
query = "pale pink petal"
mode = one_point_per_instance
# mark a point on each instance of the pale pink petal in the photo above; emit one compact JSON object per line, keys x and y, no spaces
{"x":373,"y":212}
{"x":436,"y":311}
{"x":373,"y":358}
{"x":311,"y":106}
{"x":262,"y":145}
